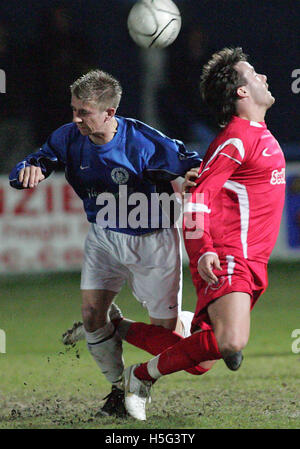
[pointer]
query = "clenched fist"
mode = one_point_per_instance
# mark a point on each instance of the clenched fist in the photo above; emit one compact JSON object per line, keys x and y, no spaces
{"x":30,"y":176}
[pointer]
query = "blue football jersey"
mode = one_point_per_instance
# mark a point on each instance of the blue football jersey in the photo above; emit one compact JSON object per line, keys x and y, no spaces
{"x":138,"y":160}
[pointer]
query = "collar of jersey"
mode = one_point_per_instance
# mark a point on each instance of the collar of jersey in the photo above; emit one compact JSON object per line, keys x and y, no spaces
{"x":249,"y":122}
{"x":85,"y":149}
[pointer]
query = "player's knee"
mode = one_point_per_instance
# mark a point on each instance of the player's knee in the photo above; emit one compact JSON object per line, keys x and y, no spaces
{"x":90,"y":317}
{"x":232,"y":345}
{"x":87,"y":315}
{"x":231,"y":351}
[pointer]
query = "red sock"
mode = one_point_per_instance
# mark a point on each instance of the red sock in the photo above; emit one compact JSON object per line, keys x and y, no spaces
{"x":185,"y":354}
{"x":142,"y":373}
{"x":155,"y":340}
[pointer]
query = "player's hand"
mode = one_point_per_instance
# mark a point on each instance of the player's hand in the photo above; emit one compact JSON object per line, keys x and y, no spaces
{"x":30,"y":176}
{"x":206,"y":266}
{"x":189,"y":179}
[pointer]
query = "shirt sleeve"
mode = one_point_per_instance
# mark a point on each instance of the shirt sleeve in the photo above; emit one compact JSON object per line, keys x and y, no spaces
{"x":169,"y":161}
{"x":49,"y":157}
{"x":198,"y":203}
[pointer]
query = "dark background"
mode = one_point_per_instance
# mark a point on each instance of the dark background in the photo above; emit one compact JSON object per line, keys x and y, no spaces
{"x":45,"y":45}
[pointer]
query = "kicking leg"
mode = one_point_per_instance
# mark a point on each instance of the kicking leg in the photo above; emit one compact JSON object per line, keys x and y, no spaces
{"x":152,"y":338}
{"x":230,"y":316}
{"x":181,"y":327}
{"x":155,"y":339}
{"x":185,"y":354}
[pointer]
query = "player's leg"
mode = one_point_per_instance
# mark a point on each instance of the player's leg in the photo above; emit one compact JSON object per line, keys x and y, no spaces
{"x":169,"y":323}
{"x":105,"y":346}
{"x":155,"y":277}
{"x":154,"y":340}
{"x":230,"y":317}
{"x":95,"y":306}
{"x":227,"y":308}
{"x":102,"y":278}
{"x":184,"y":317}
{"x":150,"y":338}
{"x":187,"y":353}
{"x":103,"y":342}
{"x":181,"y":324}
{"x":156,"y":280}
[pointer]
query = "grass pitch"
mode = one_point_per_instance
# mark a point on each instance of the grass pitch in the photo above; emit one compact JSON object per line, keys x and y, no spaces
{"x":44,"y":385}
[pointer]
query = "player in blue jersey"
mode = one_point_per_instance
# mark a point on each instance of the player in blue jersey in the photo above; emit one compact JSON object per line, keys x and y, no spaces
{"x":108,"y":157}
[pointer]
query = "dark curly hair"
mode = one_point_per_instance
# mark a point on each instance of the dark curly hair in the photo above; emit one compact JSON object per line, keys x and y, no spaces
{"x":220,"y":81}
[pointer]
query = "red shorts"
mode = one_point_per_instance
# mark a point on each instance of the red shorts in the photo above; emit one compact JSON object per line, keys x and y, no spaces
{"x":237,"y":275}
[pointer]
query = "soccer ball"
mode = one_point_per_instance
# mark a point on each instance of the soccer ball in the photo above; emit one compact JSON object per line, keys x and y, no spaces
{"x":154,"y":23}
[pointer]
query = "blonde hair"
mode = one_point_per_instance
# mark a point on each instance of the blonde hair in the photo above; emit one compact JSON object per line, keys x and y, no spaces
{"x":99,"y":87}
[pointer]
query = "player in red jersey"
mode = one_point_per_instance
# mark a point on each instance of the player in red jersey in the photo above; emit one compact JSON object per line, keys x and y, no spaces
{"x":231,"y":222}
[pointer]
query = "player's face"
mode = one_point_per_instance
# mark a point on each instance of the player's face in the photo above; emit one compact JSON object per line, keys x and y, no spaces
{"x":256,"y":85}
{"x":88,"y":117}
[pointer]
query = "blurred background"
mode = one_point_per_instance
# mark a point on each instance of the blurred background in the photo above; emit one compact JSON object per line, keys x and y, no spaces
{"x":46,"y":45}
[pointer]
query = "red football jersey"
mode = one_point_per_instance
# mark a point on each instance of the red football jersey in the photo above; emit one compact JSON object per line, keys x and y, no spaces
{"x":237,"y":205}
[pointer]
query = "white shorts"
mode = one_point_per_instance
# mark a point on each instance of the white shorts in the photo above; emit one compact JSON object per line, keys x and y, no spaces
{"x":150,"y":263}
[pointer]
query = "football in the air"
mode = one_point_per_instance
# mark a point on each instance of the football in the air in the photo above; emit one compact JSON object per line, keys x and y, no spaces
{"x":154,"y":23}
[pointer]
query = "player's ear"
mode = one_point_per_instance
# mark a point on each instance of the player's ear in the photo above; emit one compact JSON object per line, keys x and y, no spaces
{"x":110,"y":113}
{"x":242,"y":92}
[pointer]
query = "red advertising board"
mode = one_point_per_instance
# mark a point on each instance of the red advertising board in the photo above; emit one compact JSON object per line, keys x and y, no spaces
{"x":41,"y":229}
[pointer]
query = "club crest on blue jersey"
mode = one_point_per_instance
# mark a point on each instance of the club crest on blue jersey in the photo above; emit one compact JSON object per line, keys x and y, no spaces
{"x":120,"y":175}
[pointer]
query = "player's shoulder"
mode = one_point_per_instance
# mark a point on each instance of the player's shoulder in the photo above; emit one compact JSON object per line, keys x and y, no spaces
{"x":241,"y":132}
{"x":245,"y":129}
{"x":236,"y":140}
{"x":68,"y":130}
{"x":63,"y":137}
{"x":149,"y":135}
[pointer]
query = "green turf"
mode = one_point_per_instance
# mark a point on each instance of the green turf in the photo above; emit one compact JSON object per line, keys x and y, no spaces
{"x":45,"y":385}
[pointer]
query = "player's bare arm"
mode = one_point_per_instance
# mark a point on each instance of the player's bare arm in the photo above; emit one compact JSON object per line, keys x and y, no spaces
{"x":206,"y":265}
{"x":31,"y":176}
